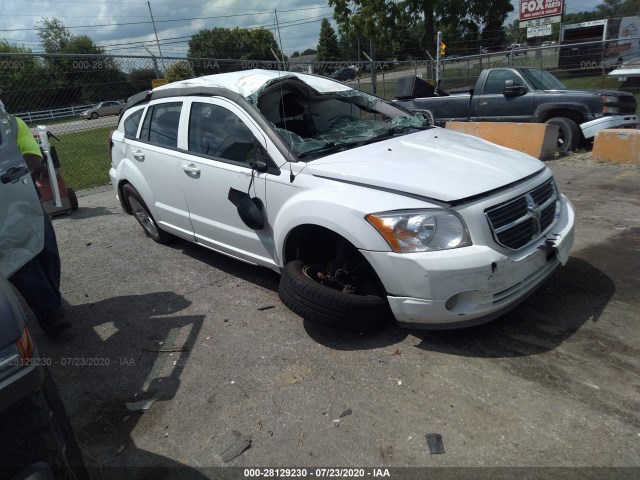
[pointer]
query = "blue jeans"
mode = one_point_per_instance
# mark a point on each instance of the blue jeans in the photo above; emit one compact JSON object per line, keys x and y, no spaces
{"x":38,"y":281}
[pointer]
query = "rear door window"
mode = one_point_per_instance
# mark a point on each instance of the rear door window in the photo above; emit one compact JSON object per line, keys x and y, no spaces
{"x":131,"y":123}
{"x":161,"y":124}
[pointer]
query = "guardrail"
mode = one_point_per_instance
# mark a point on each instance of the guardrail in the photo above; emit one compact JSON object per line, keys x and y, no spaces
{"x":53,"y":114}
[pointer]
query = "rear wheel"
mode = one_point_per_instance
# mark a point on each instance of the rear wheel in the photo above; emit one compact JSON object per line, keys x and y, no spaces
{"x":568,"y":133}
{"x":140,"y":210}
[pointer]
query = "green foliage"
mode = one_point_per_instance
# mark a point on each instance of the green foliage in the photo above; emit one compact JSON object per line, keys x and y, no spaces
{"x":407,"y":28}
{"x":295,"y":54}
{"x":328,"y":43}
{"x":231,"y":44}
{"x":179,"y":71}
{"x":309,"y":51}
{"x":140,"y":79}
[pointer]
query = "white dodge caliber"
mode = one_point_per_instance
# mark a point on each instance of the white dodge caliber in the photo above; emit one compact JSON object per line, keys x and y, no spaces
{"x":368,"y":212}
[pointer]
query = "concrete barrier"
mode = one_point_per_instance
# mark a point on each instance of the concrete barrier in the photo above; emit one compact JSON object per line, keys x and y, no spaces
{"x":536,"y":139}
{"x":619,"y":145}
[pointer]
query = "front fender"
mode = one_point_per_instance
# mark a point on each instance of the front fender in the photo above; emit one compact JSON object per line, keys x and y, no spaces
{"x":332,"y":210}
{"x":541,"y":113}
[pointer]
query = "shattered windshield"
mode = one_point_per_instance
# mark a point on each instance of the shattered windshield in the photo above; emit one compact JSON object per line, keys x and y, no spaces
{"x":313,"y":125}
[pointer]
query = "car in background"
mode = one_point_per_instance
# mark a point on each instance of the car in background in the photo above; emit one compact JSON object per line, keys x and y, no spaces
{"x":103,"y":109}
{"x":347,"y":73}
{"x":36,"y":438}
{"x":517,"y":49}
{"x":368,"y":212}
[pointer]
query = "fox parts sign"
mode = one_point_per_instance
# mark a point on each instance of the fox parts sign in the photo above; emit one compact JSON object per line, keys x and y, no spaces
{"x":532,"y":9}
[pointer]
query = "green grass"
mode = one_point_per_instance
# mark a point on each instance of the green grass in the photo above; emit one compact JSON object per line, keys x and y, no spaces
{"x":84,"y":157}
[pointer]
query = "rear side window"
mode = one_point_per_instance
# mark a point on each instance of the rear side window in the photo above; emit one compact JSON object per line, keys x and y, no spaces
{"x":131,"y":123}
{"x":161,"y":124}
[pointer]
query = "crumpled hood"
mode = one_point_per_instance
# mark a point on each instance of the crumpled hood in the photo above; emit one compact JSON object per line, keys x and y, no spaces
{"x":436,"y":163}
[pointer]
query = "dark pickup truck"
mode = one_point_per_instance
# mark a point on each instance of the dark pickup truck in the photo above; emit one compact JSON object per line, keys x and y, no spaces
{"x":524,"y":95}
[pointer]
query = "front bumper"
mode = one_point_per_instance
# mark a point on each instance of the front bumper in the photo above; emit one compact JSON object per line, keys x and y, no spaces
{"x":589,"y":129}
{"x":471,"y":285}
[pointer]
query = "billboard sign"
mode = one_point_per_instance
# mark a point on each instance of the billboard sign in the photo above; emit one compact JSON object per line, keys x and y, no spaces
{"x":540,"y":31}
{"x":532,"y":9}
{"x":540,"y":21}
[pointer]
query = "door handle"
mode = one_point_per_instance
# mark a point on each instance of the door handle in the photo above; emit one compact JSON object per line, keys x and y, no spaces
{"x":191,"y":168}
{"x":483,"y":102}
{"x":138,"y":155}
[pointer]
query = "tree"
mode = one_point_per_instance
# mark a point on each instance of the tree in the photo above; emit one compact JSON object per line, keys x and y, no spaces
{"x":295,"y":54}
{"x":327,"y":43}
{"x":179,"y":71}
{"x":388,"y":19}
{"x":231,"y":44}
{"x":309,"y":51}
{"x":140,"y":79}
{"x":54,"y":36}
{"x":89,"y":78}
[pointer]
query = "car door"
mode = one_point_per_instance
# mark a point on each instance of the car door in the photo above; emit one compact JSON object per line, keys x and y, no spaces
{"x":157,"y":161}
{"x":492,"y":105}
{"x":21,"y":216}
{"x":218,"y":139}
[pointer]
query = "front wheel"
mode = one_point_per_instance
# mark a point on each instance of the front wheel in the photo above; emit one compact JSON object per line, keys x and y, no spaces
{"x":568,"y":133}
{"x":140,"y":210}
{"x":302,"y":291}
{"x":94,"y":115}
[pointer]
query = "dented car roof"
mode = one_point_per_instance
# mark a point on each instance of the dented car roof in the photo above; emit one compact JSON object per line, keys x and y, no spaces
{"x":249,"y":82}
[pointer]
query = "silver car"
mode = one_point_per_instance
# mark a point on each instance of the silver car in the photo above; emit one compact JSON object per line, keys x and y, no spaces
{"x":112,"y":107}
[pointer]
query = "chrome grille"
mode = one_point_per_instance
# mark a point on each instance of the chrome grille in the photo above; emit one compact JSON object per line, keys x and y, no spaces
{"x":519,"y":221}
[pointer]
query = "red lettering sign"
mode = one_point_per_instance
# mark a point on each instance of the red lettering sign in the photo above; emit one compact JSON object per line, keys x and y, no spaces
{"x":532,"y":9}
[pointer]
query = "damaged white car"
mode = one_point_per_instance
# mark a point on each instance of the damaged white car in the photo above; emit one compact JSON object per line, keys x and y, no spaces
{"x":368,"y":212}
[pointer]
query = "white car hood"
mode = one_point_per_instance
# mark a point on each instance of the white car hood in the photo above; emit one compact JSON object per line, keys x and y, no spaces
{"x":436,"y":163}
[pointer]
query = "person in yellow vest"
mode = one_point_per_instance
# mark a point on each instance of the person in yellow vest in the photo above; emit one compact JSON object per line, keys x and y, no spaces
{"x":39,"y":280}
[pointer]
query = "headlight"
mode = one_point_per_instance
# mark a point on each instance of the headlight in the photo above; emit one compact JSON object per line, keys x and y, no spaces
{"x":421,"y":230}
{"x":606,"y":100}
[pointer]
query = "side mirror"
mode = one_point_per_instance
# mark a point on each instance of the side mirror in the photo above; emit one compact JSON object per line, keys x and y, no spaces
{"x":261,"y":162}
{"x":250,"y":210}
{"x":513,"y":90}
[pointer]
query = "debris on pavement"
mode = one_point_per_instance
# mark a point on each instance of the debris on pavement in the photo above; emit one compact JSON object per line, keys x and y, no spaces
{"x":336,"y":422}
{"x":434,"y":442}
{"x":266,"y":308}
{"x":240,"y":444}
{"x":145,"y":404}
{"x":348,"y":411}
{"x":166,"y":350}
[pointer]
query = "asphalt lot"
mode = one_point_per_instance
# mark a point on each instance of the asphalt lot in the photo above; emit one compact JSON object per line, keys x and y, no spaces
{"x":554,"y":383}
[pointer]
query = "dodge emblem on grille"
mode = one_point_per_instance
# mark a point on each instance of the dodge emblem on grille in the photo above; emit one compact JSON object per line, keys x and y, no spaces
{"x":534,"y":211}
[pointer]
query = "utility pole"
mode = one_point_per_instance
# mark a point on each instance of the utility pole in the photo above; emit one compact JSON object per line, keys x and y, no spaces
{"x":439,"y":41}
{"x":157,"y":42}
{"x":279,"y":37}
{"x":155,"y":63}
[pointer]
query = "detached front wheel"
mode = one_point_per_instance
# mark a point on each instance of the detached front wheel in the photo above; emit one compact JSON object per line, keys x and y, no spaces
{"x":306,"y":290}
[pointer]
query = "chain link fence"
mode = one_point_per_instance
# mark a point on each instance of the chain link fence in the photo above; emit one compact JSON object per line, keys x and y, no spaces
{"x":66,"y":93}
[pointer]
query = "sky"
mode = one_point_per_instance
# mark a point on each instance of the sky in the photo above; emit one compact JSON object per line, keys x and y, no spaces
{"x":117,"y":24}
